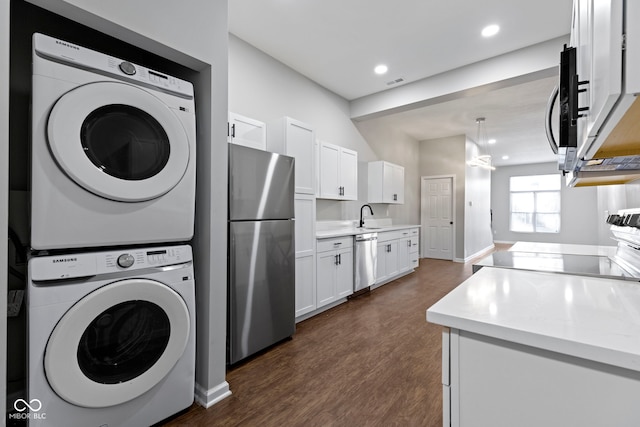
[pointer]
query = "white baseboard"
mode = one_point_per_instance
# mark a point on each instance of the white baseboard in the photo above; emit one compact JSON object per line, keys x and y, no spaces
{"x":391,"y":279}
{"x":481,"y":252}
{"x":208,"y":398}
{"x":320,"y":310}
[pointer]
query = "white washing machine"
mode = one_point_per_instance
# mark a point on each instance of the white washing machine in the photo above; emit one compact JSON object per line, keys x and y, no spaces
{"x":111,"y":337}
{"x":113,"y":151}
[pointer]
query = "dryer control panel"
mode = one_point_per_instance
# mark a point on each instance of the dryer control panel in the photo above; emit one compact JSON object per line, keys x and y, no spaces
{"x":81,"y":57}
{"x":87,"y":264}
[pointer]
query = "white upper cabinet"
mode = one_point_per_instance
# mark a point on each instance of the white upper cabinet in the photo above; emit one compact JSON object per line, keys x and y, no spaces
{"x":296,"y":139}
{"x":607,"y":41}
{"x":386,"y":183}
{"x":248,"y":132}
{"x":338,"y":177}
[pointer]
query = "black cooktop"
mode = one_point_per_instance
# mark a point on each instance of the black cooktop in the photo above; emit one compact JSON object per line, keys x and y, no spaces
{"x":581,"y":265}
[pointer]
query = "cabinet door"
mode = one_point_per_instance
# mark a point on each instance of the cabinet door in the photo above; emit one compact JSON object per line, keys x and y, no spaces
{"x":305,"y":220}
{"x":326,"y":278}
{"x":381,"y":265}
{"x":349,"y":174}
{"x":388,"y":184}
{"x":393,"y":183}
{"x":391,"y":259}
{"x":404,"y":263}
{"x":344,"y":276}
{"x":605,"y":43}
{"x":300,"y":143}
{"x":329,"y":171}
{"x":248,"y":132}
{"x":305,"y":285}
{"x":397,"y":178}
{"x":580,"y":36}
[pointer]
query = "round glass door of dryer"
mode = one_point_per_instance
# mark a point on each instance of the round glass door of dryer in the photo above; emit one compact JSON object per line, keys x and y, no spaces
{"x":118,"y":141}
{"x":117,"y":343}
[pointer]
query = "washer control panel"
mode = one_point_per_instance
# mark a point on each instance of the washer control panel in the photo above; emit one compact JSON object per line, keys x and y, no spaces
{"x":44,"y":268}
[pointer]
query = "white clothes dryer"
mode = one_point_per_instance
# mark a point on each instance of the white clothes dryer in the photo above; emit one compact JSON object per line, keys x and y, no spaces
{"x":113,"y":151}
{"x":111,"y":337}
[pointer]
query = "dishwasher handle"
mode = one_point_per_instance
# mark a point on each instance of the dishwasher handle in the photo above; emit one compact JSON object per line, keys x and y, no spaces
{"x":366,"y":237}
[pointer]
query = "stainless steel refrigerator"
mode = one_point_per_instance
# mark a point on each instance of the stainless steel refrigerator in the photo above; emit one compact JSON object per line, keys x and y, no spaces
{"x":261,"y":250}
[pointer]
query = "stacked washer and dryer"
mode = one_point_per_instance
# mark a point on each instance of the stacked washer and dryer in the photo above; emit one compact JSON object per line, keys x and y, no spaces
{"x":110,"y":299}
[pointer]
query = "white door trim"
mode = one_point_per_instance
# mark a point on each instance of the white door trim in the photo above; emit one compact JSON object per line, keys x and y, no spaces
{"x":453,"y":213}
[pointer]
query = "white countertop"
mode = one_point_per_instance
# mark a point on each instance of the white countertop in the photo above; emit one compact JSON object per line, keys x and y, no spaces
{"x":563,"y":248}
{"x":591,"y":318}
{"x":352,"y":231}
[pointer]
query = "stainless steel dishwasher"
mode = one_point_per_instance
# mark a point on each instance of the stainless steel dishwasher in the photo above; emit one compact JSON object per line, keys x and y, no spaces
{"x":366,"y":260}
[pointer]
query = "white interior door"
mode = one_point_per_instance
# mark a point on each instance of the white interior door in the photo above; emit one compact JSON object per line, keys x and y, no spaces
{"x":437,"y":217}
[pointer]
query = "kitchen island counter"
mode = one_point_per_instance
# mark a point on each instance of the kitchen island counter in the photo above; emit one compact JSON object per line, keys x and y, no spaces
{"x":591,"y":318}
{"x":532,"y":348}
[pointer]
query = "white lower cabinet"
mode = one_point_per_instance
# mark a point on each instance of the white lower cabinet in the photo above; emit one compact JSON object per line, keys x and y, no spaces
{"x":334,"y":279}
{"x":504,"y":384}
{"x":397,"y":254}
{"x":305,"y":224}
{"x":404,"y":263}
{"x":305,"y":284}
{"x":414,"y":254}
{"x":387,"y":265}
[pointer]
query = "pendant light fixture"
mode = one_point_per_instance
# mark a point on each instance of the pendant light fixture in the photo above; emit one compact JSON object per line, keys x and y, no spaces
{"x":482,"y":160}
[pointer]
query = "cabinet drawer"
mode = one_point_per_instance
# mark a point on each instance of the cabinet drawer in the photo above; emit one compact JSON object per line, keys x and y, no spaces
{"x":414,"y":262}
{"x":391,"y":235}
{"x":414,"y":244}
{"x":323,"y":245}
{"x":397,"y":234}
{"x":407,"y":234}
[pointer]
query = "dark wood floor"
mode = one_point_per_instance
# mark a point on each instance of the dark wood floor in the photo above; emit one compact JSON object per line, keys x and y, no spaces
{"x":373,"y":361}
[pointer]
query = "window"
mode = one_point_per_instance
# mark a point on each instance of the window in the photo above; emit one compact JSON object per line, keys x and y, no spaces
{"x":535,"y":203}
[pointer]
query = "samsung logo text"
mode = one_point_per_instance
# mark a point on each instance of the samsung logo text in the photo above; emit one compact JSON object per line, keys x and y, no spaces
{"x":64,"y":260}
{"x":69,"y":45}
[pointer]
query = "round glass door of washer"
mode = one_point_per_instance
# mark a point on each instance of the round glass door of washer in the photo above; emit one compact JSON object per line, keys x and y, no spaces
{"x":118,"y":141}
{"x":116,"y":343}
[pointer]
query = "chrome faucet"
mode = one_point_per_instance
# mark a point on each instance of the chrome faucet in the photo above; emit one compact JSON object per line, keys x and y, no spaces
{"x":361,"y":218}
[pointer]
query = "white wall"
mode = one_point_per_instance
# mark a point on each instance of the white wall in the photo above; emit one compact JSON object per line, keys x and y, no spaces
{"x":265,"y":89}
{"x":446,"y":156}
{"x":477,"y":206}
{"x":395,"y":146}
{"x":579,"y":210}
{"x":193,"y":35}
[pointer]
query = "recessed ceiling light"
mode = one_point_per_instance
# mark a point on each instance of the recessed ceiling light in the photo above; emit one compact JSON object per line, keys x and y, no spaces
{"x":505,"y":157}
{"x":381,"y":69}
{"x":490,"y":30}
{"x":491,"y":141}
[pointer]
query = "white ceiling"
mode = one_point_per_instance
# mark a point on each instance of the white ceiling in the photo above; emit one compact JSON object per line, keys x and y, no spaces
{"x":337,"y":43}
